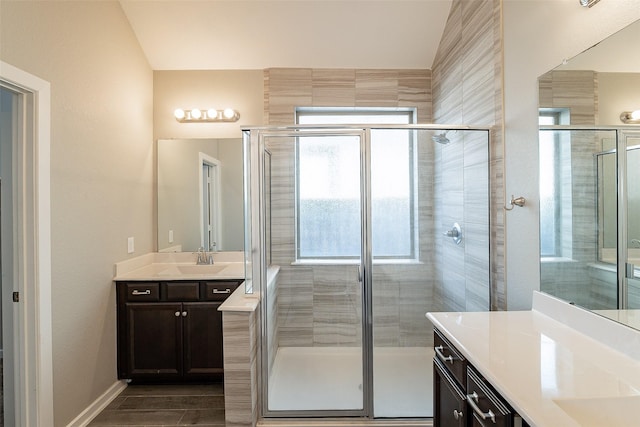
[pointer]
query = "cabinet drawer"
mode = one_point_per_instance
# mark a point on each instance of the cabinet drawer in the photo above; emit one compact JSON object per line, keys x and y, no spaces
{"x":219,"y":291}
{"x":142,"y":291}
{"x":183,"y":291}
{"x":450,"y":358}
{"x":486,"y":406}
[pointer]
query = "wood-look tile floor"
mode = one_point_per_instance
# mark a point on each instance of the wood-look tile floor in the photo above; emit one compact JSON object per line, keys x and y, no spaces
{"x":165,"y":405}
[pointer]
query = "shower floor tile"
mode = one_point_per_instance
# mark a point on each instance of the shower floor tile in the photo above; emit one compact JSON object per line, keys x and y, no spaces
{"x":326,"y":378}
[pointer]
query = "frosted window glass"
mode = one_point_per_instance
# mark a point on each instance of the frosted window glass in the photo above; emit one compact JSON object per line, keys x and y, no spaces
{"x":329,"y":188}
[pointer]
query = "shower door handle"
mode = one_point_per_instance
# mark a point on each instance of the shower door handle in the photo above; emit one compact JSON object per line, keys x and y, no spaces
{"x":630,"y":270}
{"x":360,"y":274}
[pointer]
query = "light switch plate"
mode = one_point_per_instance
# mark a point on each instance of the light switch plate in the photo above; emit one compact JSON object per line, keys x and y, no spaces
{"x":130,"y":249}
{"x":170,"y":236}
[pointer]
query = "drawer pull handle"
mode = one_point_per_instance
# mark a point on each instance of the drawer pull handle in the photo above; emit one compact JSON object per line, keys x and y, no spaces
{"x":137,"y":292}
{"x":177,"y":314}
{"x":473,"y":399}
{"x":218,"y":291}
{"x":184,"y":314}
{"x":457,"y":415}
{"x":439,"y":352}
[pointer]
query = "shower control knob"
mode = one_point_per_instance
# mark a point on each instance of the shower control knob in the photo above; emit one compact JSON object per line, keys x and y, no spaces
{"x":455,"y":233}
{"x":452,"y":233}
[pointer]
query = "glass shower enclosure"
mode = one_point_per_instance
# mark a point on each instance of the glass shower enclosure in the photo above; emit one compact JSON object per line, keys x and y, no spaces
{"x":590,"y":216}
{"x":356,"y":233}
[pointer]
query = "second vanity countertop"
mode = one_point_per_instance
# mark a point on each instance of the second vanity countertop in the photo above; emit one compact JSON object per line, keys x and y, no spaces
{"x":180,"y":266}
{"x":549,"y":370}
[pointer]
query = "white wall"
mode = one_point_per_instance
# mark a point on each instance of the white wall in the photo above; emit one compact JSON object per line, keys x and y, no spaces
{"x":101,"y":174}
{"x":538,"y":35}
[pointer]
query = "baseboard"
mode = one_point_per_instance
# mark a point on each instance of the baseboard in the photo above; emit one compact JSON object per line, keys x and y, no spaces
{"x":98,"y":405}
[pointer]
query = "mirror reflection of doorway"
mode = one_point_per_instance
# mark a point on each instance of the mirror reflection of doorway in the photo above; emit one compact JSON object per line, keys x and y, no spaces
{"x":8,"y":117}
{"x":209,"y":203}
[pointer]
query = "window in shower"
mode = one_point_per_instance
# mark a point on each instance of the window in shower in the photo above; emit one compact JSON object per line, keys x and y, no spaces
{"x":555,"y":184}
{"x":328,"y":196}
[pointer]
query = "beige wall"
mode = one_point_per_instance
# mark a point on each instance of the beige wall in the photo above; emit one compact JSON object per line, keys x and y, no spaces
{"x":538,"y":35}
{"x":238,"y":89}
{"x":618,"y":92}
{"x":101,"y":174}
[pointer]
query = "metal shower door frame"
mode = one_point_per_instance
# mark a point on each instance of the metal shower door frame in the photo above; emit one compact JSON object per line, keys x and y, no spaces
{"x":364,"y":136}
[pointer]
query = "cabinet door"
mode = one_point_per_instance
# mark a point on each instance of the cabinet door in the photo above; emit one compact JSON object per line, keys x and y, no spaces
{"x":153,"y":339}
{"x":203,"y":339}
{"x":449,"y":401}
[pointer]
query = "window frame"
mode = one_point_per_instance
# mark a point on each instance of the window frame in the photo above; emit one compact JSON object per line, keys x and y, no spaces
{"x":559,"y":116}
{"x":410,"y":114}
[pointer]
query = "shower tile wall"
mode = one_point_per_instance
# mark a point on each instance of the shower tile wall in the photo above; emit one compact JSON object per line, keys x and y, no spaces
{"x":467,"y":77}
{"x":318,"y":305}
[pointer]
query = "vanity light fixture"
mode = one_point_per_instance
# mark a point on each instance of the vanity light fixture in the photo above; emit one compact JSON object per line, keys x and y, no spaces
{"x":630,"y":117}
{"x":210,"y":115}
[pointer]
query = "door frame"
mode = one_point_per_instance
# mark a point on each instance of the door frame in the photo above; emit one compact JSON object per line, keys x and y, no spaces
{"x":622,"y":149}
{"x":33,"y":343}
{"x":214,"y":200}
{"x":258,"y":153}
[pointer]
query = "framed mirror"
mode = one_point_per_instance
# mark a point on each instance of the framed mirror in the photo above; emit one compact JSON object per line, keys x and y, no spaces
{"x":200,"y":195}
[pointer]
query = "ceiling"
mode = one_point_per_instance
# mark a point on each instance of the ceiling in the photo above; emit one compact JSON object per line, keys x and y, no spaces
{"x":259,"y":34}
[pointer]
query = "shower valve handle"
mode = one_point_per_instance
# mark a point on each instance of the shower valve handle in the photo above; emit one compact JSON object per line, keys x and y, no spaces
{"x":455,"y":233}
{"x":452,"y":233}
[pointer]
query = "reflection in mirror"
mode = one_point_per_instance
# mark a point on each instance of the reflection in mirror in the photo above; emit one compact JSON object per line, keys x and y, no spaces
{"x":598,"y":84}
{"x":580,"y":172}
{"x":200,"y":195}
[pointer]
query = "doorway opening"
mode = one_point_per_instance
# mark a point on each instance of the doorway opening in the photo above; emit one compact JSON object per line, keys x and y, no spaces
{"x":26,"y":256}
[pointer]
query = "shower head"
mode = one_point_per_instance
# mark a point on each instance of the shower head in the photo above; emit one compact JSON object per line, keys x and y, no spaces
{"x":441,"y":138}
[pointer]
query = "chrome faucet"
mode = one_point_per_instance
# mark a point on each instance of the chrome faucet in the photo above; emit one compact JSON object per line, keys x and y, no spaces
{"x":204,"y":257}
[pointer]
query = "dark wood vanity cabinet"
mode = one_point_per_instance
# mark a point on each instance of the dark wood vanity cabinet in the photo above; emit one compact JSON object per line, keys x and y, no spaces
{"x":171,"y":331}
{"x":462,"y":397}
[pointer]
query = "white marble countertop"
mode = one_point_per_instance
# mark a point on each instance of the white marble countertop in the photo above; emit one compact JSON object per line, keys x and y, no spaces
{"x":549,"y":366}
{"x":180,"y":266}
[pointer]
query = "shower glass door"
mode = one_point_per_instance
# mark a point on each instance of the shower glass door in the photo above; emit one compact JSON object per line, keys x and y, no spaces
{"x":313,"y":311}
{"x":632,"y":264}
{"x":423,"y":182}
{"x":401,"y":284}
{"x":356,"y":251}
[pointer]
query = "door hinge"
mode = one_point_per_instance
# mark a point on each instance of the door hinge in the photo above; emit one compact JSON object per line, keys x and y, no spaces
{"x":16,"y":297}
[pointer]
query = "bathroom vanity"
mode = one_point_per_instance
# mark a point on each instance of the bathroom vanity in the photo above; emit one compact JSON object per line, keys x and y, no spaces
{"x":169,"y":323}
{"x":556,"y":365}
{"x":462,"y":395}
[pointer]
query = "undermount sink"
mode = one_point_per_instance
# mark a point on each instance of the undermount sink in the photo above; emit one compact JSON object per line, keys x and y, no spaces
{"x":201,"y":269}
{"x":605,"y":411}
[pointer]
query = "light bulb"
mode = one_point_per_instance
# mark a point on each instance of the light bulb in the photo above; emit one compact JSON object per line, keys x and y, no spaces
{"x":635,"y":115}
{"x":229,"y":113}
{"x":178,"y":113}
{"x":196,"y":114}
{"x":211,"y":113}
